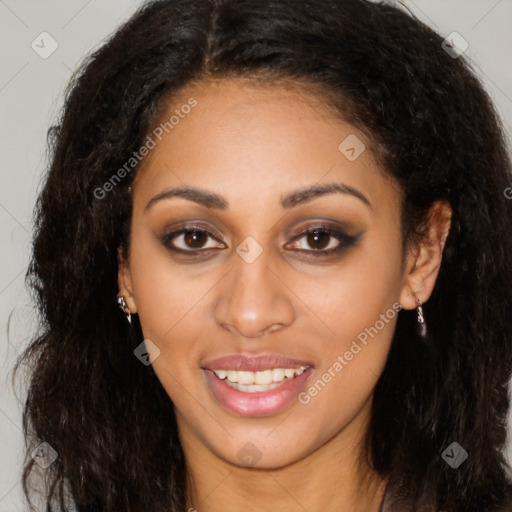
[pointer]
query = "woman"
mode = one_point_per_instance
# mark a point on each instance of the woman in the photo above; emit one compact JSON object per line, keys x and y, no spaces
{"x":273,"y":261}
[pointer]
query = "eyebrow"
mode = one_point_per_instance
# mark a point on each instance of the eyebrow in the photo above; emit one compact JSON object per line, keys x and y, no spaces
{"x":290,"y":200}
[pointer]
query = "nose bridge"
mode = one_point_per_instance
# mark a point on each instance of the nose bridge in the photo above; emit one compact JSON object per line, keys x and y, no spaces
{"x":252,"y":268}
{"x":254,"y":299}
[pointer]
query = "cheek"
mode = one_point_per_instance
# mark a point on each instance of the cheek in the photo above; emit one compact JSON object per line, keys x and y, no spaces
{"x":360,"y":308}
{"x":164,"y":290}
{"x":351,"y":296}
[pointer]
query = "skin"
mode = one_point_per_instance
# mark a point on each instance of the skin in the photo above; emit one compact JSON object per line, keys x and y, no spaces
{"x":253,"y":145}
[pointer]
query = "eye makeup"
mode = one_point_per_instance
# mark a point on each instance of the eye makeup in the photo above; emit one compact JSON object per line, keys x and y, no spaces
{"x":193,"y":240}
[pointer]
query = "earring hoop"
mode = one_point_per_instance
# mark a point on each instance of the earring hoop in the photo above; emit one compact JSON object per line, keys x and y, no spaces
{"x":124,"y":308}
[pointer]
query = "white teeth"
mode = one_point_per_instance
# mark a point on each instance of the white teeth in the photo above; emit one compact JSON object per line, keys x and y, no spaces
{"x":277,"y":374}
{"x":245,"y":378}
{"x":222,"y":374}
{"x":255,"y":388}
{"x":232,"y":376}
{"x":262,"y":379}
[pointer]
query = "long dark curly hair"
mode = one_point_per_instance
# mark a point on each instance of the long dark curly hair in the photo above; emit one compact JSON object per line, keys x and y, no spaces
{"x":434,"y":129}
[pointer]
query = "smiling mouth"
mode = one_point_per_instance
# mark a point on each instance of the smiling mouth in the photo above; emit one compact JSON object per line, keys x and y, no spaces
{"x":260,"y":381}
{"x":257,"y":400}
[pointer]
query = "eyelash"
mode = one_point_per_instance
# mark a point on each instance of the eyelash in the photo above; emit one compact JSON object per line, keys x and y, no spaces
{"x":344,"y":239}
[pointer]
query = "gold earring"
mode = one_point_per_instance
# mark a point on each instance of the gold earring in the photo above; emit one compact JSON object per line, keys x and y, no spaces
{"x":124,"y":307}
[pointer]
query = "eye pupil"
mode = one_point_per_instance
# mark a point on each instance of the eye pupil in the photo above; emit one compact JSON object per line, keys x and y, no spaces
{"x":192,"y":237}
{"x":315,"y":235}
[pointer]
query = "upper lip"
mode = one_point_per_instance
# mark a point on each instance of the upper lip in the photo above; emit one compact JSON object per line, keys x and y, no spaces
{"x":252,"y":363}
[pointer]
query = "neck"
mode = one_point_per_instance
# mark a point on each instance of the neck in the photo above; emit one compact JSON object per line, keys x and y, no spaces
{"x":334,"y":477}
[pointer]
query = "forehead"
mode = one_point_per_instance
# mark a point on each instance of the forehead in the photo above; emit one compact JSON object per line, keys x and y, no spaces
{"x":242,"y":139}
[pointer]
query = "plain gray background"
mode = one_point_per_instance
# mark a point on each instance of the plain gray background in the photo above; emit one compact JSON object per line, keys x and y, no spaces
{"x":30,"y":98}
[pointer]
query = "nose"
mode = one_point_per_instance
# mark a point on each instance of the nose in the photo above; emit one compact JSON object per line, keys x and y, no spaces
{"x":254,"y":298}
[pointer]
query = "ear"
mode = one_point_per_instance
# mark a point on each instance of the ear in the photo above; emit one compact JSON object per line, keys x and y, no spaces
{"x":423,"y":258}
{"x":124,"y":280}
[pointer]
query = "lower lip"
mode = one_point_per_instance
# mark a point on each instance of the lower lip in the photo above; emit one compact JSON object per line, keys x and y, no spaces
{"x":262,"y":403}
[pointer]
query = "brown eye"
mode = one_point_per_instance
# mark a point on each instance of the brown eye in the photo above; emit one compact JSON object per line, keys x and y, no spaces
{"x":318,"y":239}
{"x":195,"y":239}
{"x":324,"y":241}
{"x":189,"y":239}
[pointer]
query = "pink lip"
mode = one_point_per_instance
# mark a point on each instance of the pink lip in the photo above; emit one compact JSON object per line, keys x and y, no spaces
{"x":241,"y":362}
{"x":256,"y":404}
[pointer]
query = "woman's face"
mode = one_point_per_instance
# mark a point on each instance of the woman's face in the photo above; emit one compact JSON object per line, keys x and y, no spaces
{"x":251,"y":285}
